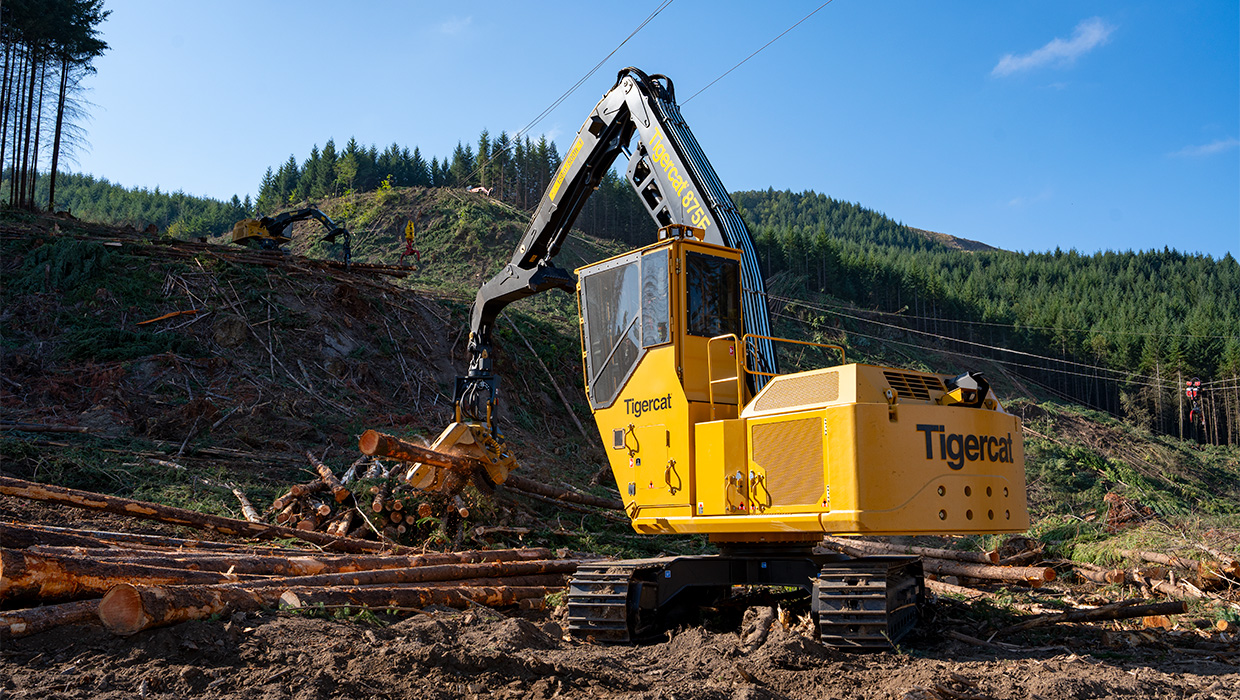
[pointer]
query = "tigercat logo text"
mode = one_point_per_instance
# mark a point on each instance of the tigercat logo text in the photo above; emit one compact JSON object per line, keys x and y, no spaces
{"x":688,"y":198}
{"x":635,"y":408}
{"x":956,"y":449}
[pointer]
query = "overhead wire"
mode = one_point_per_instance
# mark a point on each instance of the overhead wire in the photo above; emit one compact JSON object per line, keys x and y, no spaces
{"x":559,"y":100}
{"x":755,"y":53}
{"x":1022,"y":326}
{"x":1007,"y":363}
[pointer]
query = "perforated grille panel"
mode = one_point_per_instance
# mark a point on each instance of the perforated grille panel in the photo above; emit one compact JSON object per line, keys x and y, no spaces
{"x":913,"y":386}
{"x":791,"y":454}
{"x":787,"y":392}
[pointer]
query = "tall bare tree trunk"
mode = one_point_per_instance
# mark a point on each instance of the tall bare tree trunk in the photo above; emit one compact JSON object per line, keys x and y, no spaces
{"x":17,"y":120}
{"x":4,"y":103}
{"x":60,"y":120}
{"x":38,"y":129}
{"x":23,"y":197}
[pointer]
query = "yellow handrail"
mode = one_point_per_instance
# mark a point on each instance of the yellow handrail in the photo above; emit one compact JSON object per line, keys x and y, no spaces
{"x":843,"y":361}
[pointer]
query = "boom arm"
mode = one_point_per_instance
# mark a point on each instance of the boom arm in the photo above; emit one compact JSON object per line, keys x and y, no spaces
{"x":673,"y":180}
{"x":277,"y":224}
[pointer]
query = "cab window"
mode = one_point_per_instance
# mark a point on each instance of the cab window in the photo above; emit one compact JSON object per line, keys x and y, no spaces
{"x":713,"y":286}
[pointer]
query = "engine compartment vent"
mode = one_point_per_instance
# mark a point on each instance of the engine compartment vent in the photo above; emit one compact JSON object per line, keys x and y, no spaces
{"x":913,"y":386}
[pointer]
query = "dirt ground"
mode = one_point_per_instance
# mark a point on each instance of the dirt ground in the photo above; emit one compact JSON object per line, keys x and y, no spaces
{"x":487,"y":654}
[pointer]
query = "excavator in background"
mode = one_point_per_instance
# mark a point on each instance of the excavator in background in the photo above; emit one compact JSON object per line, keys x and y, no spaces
{"x":704,"y":434}
{"x":268,"y":232}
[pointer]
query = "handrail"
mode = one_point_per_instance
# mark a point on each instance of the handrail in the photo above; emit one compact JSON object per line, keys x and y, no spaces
{"x":843,"y":361}
{"x":710,"y":372}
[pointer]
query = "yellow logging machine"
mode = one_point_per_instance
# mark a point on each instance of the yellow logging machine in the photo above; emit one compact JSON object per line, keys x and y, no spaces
{"x":703,"y":432}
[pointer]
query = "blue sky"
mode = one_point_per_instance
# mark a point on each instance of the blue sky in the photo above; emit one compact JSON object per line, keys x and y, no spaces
{"x":1028,"y":126}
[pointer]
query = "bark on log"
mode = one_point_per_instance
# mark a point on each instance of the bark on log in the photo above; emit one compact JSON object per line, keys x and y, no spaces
{"x":22,"y":623}
{"x":945,"y":588}
{"x":22,"y":535}
{"x":380,"y":500}
{"x":1114,"y":611}
{"x":1159,"y":558}
{"x":1033,"y":575}
{"x":339,"y":492}
{"x":376,"y":444}
{"x":176,"y":516}
{"x":987,"y":558}
{"x":297,"y":563}
{"x":418,"y":574}
{"x":247,"y":508}
{"x":128,"y":609}
{"x":523,"y":484}
{"x":48,"y":577}
{"x":307,"y":489}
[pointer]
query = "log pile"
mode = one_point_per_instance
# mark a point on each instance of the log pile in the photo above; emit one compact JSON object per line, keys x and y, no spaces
{"x":369,"y":501}
{"x":56,"y":576}
{"x":1156,"y":588}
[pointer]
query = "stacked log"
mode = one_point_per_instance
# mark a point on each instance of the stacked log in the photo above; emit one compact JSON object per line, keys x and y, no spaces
{"x":131,"y":583}
{"x":946,"y":562}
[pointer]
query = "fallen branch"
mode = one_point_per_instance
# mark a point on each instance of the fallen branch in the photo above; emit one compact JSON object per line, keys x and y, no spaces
{"x":247,"y":508}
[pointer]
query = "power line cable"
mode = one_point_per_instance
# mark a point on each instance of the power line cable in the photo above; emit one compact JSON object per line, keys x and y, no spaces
{"x":815,"y":307}
{"x":1007,"y":363}
{"x":559,"y":100}
{"x":755,"y":53}
{"x":1022,"y":326}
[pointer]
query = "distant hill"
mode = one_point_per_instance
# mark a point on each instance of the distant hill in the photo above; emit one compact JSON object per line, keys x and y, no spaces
{"x":954,"y":242}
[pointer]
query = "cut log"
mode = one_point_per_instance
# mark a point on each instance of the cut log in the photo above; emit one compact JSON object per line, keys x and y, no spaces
{"x":1032,"y":575}
{"x":307,"y":489}
{"x":247,"y":508}
{"x":379,"y":504}
{"x":1159,"y":558}
{"x":175,"y":516}
{"x":339,"y":492}
{"x":344,"y":523}
{"x":424,"y":510}
{"x":128,"y":609}
{"x":288,"y":514}
{"x":378,"y":444}
{"x":21,"y":623}
{"x":21,"y":535}
{"x":459,"y":504}
{"x":420,"y":574}
{"x":991,"y":557}
{"x":24,"y":574}
{"x":521,"y":483}
{"x":297,"y":563}
{"x":948,"y":588}
{"x":1114,"y":611}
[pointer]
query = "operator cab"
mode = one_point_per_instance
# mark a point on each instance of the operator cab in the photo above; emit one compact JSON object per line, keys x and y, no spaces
{"x":670,"y":299}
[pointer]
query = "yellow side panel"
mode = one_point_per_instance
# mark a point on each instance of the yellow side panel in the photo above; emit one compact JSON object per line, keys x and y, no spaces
{"x":933,"y":469}
{"x":646,"y":435}
{"x":720,"y":445}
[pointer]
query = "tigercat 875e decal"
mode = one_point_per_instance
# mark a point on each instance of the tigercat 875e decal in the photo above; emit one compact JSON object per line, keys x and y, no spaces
{"x":688,"y":198}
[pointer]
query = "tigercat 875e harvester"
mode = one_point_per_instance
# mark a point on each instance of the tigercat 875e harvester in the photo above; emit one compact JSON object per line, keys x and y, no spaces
{"x":703,"y":433}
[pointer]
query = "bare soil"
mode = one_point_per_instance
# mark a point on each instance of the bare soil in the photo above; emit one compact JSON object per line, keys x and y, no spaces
{"x":487,"y":654}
